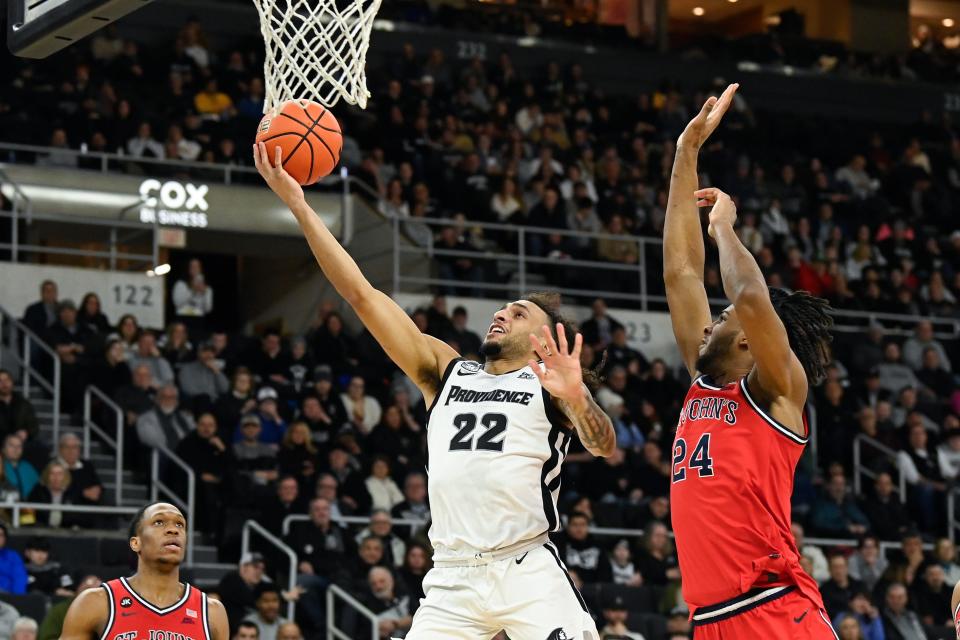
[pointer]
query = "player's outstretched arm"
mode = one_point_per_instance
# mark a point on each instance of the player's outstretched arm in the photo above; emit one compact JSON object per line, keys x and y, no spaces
{"x":562,"y":378}
{"x":421,"y":357}
{"x":86,"y":616}
{"x":217,"y":616}
{"x":683,"y":251}
{"x":778,"y":371}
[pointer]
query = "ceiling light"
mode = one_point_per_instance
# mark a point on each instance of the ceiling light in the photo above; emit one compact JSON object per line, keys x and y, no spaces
{"x":948,"y":22}
{"x":161,"y":269}
{"x":731,"y":1}
{"x":698,"y":11}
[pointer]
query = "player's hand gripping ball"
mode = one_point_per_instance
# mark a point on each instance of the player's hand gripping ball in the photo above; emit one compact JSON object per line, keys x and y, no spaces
{"x":308,"y":135}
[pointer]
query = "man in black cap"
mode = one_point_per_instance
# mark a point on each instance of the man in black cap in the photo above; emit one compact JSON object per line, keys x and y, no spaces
{"x":44,"y":575}
{"x":615,"y":615}
{"x":237,"y":589}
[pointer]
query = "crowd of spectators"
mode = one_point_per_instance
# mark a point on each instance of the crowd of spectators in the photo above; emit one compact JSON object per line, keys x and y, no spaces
{"x":323,"y":426}
{"x":855,"y":212}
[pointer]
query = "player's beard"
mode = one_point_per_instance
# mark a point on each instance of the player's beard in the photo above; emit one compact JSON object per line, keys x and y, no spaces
{"x":505,"y":348}
{"x":713,"y":360}
{"x":491,"y":350}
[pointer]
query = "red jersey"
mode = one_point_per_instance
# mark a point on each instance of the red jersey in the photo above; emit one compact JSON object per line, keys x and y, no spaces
{"x":133,"y":618}
{"x":732,"y":479}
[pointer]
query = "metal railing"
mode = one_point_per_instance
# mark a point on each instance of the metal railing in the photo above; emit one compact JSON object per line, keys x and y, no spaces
{"x":859,"y":469}
{"x":116,"y":442}
{"x":109,"y":162}
{"x":402,"y":522}
{"x":256,"y":527}
{"x":334,"y":592}
{"x":157,"y":485}
{"x":32,"y":346}
{"x":106,"y":162}
{"x":519,"y":263}
{"x":20,"y":206}
{"x":112,"y":254}
{"x":510,"y":269}
{"x":17,"y":507}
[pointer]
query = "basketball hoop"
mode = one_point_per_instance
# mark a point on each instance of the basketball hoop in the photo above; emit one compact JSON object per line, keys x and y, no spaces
{"x":316,"y":50}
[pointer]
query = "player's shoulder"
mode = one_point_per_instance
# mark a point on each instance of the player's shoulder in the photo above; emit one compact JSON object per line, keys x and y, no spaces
{"x":217,"y":616}
{"x":92,"y":598}
{"x":90,"y":610}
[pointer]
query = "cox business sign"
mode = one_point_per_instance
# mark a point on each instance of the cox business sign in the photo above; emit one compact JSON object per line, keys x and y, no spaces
{"x":172,"y":203}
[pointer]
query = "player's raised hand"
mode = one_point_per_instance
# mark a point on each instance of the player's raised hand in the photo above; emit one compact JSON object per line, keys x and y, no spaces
{"x":561,"y":376}
{"x":276,"y":176}
{"x":705,"y":122}
{"x":724,"y":210}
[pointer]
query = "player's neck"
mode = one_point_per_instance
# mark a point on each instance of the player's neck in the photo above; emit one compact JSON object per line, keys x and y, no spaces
{"x":499,"y":366}
{"x":730,"y":374}
{"x":156,"y":585}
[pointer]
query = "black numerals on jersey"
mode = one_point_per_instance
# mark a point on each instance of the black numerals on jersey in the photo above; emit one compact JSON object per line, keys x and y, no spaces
{"x":700,"y":458}
{"x":494,"y":424}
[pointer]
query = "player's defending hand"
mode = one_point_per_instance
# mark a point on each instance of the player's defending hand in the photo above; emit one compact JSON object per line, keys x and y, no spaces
{"x":705,"y":122}
{"x":561,"y":376}
{"x":724,"y":211}
{"x":276,"y":176}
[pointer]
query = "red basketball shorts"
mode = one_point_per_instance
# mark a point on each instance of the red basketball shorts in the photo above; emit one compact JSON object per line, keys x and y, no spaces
{"x":777,"y":612}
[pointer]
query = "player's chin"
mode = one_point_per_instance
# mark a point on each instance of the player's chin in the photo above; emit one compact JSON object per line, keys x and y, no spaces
{"x":171,"y":551}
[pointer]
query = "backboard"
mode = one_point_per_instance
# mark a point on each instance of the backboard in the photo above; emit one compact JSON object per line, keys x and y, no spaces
{"x":38,"y":28}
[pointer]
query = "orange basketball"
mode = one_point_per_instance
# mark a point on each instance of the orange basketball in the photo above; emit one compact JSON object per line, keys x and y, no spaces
{"x":309,"y":136}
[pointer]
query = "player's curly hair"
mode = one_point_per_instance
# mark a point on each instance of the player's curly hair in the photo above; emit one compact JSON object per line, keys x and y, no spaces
{"x":549,"y":302}
{"x":808,"y":323}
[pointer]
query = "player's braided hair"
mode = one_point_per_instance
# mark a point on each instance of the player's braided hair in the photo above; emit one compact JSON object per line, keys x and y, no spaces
{"x":808,"y":323}
{"x":549,"y":302}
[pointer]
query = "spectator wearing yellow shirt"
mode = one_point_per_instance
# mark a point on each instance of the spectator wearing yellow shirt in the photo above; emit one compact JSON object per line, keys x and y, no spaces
{"x":211,"y":102}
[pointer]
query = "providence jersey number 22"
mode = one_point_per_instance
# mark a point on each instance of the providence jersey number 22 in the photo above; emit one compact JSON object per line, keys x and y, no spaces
{"x":495,"y":446}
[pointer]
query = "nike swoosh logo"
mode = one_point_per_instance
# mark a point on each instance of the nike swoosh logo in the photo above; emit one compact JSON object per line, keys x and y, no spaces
{"x":520,"y":559}
{"x":798,"y":620}
{"x":466,"y":373}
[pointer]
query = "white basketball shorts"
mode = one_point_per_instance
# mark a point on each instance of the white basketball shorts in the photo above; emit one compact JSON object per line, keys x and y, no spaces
{"x":530,"y":596}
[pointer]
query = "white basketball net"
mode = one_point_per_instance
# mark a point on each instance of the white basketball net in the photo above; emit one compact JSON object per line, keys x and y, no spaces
{"x":316,"y":50}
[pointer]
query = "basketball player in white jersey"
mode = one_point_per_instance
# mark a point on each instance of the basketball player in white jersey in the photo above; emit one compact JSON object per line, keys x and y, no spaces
{"x":497,"y":434}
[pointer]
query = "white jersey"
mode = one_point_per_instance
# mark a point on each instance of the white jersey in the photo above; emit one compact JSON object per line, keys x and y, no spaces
{"x":495,"y":446}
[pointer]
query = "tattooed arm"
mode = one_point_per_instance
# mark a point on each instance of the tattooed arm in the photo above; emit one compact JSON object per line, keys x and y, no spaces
{"x":592,"y":424}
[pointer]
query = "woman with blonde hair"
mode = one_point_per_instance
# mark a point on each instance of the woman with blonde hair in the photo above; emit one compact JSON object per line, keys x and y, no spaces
{"x":53,"y":488}
{"x":298,"y":455}
{"x":175,"y":345}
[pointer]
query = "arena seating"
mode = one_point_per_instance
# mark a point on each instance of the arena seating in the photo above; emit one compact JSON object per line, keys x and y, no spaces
{"x":859,"y":213}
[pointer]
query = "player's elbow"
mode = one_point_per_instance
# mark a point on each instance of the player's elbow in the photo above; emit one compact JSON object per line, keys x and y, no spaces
{"x":680,"y":276}
{"x":751,"y":295}
{"x":358,"y":296}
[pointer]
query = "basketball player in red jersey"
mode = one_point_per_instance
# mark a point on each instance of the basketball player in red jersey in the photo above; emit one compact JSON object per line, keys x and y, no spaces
{"x":742,"y":427}
{"x":152,"y":604}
